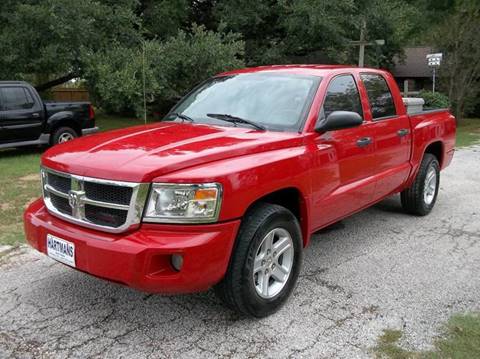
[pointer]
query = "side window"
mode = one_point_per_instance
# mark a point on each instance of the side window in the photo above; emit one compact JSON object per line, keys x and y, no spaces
{"x":379,"y":96}
{"x":342,"y":95}
{"x":16,"y":98}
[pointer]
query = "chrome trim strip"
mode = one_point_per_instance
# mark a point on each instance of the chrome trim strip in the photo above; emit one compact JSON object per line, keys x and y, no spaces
{"x":56,"y":192}
{"x":88,"y":131}
{"x":124,"y":207}
{"x":134,"y":209}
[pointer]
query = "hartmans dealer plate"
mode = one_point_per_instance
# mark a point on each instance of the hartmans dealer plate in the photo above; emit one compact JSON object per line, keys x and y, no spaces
{"x":61,"y":250}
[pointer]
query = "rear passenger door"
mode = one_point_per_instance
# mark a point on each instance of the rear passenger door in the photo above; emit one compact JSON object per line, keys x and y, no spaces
{"x":392,"y":135}
{"x":20,"y":116}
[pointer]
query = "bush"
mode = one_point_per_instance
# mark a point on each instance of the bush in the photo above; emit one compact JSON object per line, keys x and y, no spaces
{"x":172,"y":67}
{"x":434,"y":99}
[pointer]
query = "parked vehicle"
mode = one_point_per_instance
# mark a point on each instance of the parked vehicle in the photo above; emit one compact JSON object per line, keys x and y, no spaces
{"x":227,"y":191}
{"x":26,"y":120}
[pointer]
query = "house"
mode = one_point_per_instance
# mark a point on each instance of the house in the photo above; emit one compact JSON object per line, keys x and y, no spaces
{"x":412,"y":72}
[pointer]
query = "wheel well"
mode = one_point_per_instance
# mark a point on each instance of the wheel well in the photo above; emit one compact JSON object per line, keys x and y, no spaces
{"x":436,"y":149}
{"x":66,"y":123}
{"x":292,"y":199}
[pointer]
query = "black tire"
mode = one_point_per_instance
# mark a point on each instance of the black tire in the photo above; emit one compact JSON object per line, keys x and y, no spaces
{"x":63,"y":132}
{"x":412,"y":198}
{"x":237,"y":289}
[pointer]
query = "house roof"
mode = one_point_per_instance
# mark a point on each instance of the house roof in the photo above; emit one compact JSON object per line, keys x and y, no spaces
{"x":414,"y":64}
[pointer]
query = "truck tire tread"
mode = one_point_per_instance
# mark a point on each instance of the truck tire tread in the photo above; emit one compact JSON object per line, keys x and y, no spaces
{"x":412,"y":197}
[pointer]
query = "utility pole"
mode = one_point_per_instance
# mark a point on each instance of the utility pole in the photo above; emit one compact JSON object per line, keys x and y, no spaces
{"x":362,"y":43}
{"x":361,"y":51}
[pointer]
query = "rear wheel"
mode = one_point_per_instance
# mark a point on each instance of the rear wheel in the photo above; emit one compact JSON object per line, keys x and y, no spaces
{"x":265,"y":263}
{"x":420,"y":198}
{"x":63,"y":134}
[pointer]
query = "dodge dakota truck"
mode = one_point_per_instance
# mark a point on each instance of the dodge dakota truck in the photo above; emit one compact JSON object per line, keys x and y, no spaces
{"x":25,"y":120}
{"x":227,"y":190}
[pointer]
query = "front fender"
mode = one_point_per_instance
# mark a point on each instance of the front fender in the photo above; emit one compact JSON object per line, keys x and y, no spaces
{"x":246,"y":179}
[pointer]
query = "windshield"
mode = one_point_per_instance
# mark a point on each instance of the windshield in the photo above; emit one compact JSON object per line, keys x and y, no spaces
{"x":274,"y":101}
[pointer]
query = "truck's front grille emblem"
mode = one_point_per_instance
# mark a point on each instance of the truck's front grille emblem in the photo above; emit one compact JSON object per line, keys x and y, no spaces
{"x":76,"y":201}
{"x":110,"y":206}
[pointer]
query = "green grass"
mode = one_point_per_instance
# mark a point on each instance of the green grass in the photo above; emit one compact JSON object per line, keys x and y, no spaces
{"x":20,"y":181}
{"x":20,"y":184}
{"x":111,"y":122}
{"x":468,"y":132}
{"x":461,"y":340}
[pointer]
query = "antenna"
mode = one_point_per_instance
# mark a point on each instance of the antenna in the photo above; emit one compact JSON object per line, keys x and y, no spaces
{"x":144,"y":90}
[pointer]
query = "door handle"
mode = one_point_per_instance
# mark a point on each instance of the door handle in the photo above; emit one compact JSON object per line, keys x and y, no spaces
{"x":402,"y":132}
{"x":35,"y":114}
{"x":364,"y":141}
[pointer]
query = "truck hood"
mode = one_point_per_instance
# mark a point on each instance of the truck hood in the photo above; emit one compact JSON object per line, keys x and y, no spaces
{"x":141,"y":153}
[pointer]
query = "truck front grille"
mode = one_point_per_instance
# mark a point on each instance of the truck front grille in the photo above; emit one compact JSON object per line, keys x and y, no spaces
{"x":108,"y":193}
{"x":61,"y":204}
{"x":111,"y":206}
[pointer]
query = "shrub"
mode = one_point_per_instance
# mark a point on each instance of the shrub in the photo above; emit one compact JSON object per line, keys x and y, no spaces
{"x":172,"y":67}
{"x":434,"y":99}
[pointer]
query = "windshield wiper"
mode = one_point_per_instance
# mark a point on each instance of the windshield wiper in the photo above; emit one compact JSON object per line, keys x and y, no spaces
{"x":235,"y":119}
{"x":182,"y":116}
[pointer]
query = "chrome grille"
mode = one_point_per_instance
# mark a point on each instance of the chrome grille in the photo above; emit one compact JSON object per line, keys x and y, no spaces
{"x":61,"y":204}
{"x":108,"y":193}
{"x":60,"y":183}
{"x":111,"y":206}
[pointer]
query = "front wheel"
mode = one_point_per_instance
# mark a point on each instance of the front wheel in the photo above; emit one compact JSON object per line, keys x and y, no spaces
{"x":420,"y":198}
{"x":265,"y":263}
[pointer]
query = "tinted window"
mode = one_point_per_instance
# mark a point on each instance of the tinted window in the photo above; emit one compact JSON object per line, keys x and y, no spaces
{"x":342,"y":95}
{"x":379,"y":95}
{"x":16,"y":98}
{"x":276,"y":101}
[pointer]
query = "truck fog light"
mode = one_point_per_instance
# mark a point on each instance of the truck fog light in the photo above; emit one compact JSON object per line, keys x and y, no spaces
{"x":177,"y":261}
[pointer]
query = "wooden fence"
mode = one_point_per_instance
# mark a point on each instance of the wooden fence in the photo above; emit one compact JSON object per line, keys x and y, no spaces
{"x":69,"y":94}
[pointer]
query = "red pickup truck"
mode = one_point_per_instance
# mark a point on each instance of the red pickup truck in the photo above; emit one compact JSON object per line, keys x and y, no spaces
{"x":227,"y":190}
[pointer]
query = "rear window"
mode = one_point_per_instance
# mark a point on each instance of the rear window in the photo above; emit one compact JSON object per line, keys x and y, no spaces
{"x":379,"y":96}
{"x":16,"y":98}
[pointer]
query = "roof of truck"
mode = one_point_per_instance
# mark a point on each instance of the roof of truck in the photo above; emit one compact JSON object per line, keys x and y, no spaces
{"x":307,"y":69}
{"x":13,"y":83}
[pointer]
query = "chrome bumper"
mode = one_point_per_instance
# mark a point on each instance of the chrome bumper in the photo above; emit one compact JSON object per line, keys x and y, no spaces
{"x":87,"y":131}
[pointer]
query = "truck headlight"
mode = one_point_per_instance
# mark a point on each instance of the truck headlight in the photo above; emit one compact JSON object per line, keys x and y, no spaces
{"x":183,"y":203}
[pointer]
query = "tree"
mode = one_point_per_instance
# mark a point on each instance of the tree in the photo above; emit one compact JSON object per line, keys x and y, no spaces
{"x":48,"y":42}
{"x":163,"y":18}
{"x":394,"y":21}
{"x":171,"y":68}
{"x":456,"y":36}
{"x":45,"y":40}
{"x":285,"y":31}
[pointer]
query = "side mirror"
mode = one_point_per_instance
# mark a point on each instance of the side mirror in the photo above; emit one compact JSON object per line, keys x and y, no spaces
{"x":339,"y":120}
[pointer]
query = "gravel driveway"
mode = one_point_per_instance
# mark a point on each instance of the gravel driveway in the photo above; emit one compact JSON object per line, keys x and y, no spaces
{"x":376,"y":270}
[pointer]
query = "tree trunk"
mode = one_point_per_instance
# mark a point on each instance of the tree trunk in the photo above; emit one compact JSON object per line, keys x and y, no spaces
{"x":57,"y":81}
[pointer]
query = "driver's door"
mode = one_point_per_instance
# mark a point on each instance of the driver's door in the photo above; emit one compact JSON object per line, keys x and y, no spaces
{"x":342,"y":177}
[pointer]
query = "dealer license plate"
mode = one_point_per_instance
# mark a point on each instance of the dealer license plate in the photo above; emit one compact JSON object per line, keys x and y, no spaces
{"x":61,"y":250}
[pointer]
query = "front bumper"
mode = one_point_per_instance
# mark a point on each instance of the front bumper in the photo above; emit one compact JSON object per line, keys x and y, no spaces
{"x":88,"y":131}
{"x":142,"y":259}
